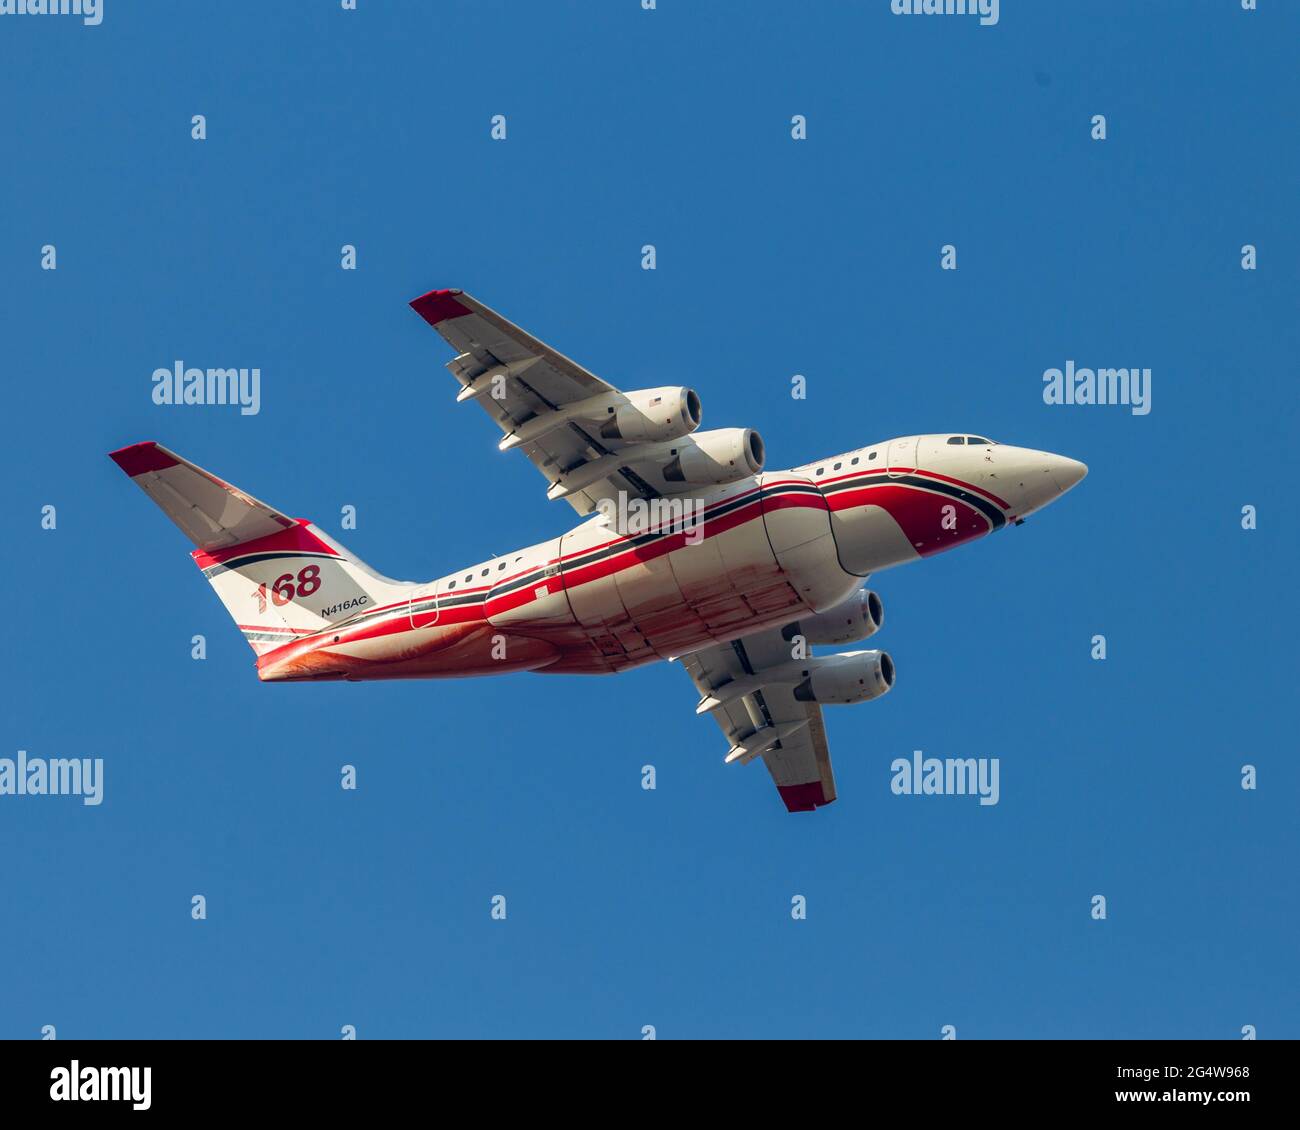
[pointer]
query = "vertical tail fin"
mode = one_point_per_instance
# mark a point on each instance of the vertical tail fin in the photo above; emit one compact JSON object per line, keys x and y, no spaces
{"x":280,"y":578}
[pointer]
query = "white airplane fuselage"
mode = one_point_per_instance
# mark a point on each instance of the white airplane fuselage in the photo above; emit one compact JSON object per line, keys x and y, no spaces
{"x":653,"y":581}
{"x":688,"y":549}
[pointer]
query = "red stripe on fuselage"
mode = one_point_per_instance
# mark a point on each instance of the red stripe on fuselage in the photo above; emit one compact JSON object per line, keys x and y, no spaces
{"x":639,"y":554}
{"x":814,"y":501}
{"x":922,"y":472}
{"x":919,"y":514}
{"x":617,"y":538}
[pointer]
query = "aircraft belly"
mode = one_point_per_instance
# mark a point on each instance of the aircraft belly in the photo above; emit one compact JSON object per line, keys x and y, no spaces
{"x":632,"y":599}
{"x":655,"y":604}
{"x":433,"y":652}
{"x":759,"y":587}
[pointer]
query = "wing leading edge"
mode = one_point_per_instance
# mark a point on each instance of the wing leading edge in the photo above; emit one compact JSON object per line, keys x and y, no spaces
{"x":570,"y":423}
{"x":517,"y":379}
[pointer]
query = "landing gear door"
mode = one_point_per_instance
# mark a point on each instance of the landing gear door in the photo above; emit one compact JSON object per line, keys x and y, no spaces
{"x":900,"y":457}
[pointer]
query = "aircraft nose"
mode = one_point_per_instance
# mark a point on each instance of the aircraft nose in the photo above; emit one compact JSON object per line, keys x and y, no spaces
{"x":1066,"y":473}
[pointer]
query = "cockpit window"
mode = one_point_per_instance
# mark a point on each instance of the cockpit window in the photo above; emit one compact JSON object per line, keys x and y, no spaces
{"x":956,"y":439}
{"x":977,"y":439}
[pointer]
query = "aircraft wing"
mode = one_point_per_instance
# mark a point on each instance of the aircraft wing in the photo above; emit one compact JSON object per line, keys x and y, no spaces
{"x":764,"y":719}
{"x":525,"y":386}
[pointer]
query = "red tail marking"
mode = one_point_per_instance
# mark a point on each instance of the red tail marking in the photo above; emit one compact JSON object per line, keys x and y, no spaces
{"x":296,"y":537}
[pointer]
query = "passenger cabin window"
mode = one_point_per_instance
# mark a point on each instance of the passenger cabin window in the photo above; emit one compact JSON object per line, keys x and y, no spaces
{"x":853,"y":462}
{"x":837,"y":466}
{"x":469,"y":577}
{"x":872,"y":455}
{"x":501,"y":566}
{"x":820,"y":470}
{"x":484,"y":573}
{"x":451,"y":584}
{"x":956,"y":439}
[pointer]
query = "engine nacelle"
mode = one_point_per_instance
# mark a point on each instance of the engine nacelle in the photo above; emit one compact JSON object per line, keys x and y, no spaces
{"x":713,"y":458}
{"x":851,"y":676}
{"x":857,"y":618}
{"x":649,"y":415}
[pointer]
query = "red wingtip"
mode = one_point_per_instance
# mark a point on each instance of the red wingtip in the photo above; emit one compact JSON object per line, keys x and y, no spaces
{"x":137,"y":458}
{"x":803,"y":798}
{"x":439,"y":305}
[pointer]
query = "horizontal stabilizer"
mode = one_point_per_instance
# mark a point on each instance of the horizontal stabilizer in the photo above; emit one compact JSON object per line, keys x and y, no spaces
{"x":209,"y":511}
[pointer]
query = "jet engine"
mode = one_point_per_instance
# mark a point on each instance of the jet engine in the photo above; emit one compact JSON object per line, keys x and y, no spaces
{"x":851,"y":676}
{"x":713,"y":458}
{"x":857,"y":618}
{"x":651,"y":414}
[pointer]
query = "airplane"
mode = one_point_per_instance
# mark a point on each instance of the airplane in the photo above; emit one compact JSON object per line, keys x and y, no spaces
{"x":689,"y":551}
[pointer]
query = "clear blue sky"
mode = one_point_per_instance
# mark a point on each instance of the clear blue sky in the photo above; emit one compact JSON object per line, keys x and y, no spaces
{"x":671,"y":127}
